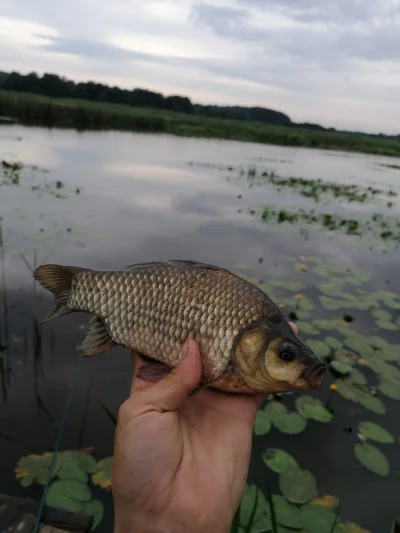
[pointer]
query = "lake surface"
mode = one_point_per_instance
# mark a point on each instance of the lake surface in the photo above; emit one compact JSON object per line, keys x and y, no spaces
{"x":128,"y":198}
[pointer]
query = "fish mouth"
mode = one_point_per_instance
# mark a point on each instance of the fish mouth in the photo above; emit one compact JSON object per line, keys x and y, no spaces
{"x":314,"y":375}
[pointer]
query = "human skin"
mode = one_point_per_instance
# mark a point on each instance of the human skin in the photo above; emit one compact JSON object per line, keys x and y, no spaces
{"x":181,"y":463}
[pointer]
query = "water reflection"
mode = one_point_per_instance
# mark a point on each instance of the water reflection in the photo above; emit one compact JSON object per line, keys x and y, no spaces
{"x":140,"y":199}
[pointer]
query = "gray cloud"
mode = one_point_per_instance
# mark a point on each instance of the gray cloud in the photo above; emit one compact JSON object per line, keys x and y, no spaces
{"x":324,"y":44}
{"x":286,"y":54}
{"x":95,"y":49}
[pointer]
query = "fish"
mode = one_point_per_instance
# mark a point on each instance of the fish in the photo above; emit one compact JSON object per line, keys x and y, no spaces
{"x":246,"y":344}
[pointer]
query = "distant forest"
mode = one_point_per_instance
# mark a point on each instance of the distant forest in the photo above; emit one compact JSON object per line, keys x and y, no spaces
{"x":54,"y":86}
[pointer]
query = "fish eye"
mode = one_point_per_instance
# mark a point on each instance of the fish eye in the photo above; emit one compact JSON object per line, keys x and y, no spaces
{"x":287,"y":352}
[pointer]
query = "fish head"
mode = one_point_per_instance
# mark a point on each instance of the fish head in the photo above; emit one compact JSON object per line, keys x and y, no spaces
{"x":271,"y":359}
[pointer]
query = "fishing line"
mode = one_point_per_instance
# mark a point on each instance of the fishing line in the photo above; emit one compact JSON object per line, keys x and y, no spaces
{"x":56,"y":447}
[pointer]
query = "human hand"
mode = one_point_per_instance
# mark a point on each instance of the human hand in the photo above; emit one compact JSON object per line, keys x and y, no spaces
{"x":181,"y":463}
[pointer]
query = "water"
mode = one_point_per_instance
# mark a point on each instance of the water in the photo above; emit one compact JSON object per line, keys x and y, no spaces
{"x":132,"y":198}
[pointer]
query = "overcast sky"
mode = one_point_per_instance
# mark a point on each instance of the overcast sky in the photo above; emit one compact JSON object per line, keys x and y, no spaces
{"x":332,"y":62}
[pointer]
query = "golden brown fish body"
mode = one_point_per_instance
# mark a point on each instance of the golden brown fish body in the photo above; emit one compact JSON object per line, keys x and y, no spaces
{"x":245,"y":342}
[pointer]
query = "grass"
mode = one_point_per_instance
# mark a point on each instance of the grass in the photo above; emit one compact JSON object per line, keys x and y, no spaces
{"x":30,"y":109}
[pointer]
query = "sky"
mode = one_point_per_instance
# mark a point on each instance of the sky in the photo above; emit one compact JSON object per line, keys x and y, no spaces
{"x":336,"y":63}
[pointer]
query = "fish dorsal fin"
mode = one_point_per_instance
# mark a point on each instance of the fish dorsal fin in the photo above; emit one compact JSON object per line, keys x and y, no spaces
{"x":182,"y":263}
{"x":97,"y":339}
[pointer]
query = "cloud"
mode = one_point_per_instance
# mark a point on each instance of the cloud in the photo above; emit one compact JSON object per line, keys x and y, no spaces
{"x":336,"y":63}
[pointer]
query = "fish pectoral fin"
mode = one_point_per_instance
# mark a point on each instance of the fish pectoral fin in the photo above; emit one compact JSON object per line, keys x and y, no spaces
{"x":153,"y":372}
{"x":97,"y":339}
{"x":229,"y":371}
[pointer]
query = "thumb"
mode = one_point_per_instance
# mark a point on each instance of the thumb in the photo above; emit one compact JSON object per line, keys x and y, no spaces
{"x":171,"y":392}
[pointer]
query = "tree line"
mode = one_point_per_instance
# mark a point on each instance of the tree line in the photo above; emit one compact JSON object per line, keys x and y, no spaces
{"x":52,"y":85}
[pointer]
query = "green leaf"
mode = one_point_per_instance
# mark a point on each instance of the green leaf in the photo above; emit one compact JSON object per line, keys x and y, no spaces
{"x":290,"y":423}
{"x":275,"y":410}
{"x":346,"y":356}
{"x":370,"y":402}
{"x":73,"y":472}
{"x":317,"y":519}
{"x":372,"y":458}
{"x":345,"y":388}
{"x":287,"y":515}
{"x":251,"y":493}
{"x":357,"y":377}
{"x":262,"y":423}
{"x":378,"y":342}
{"x":359,"y":344}
{"x":102,"y":476}
{"x":68,"y":494}
{"x":278,"y":460}
{"x":389,"y":388}
{"x":331,"y":304}
{"x":298,"y":486}
{"x":310,"y":407}
{"x":318,"y":347}
{"x":324,"y":324}
{"x":94,"y":508}
{"x":333,"y":342}
{"x":34,"y":468}
{"x":81,"y":459}
{"x":307,"y":328}
{"x":352,"y":527}
{"x":381,"y":314}
{"x":346,"y":331}
{"x":387,"y":325}
{"x":341,"y":368}
{"x":376,"y":433}
{"x":305,"y":303}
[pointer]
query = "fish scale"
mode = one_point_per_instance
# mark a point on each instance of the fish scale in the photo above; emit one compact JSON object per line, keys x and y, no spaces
{"x":153,"y":308}
{"x":177,"y":303}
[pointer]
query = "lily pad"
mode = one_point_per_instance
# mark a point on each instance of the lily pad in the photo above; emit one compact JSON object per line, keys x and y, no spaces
{"x":346,"y":331}
{"x":298,"y":486}
{"x":378,"y":342}
{"x":317,"y":519}
{"x":34,"y":468}
{"x":68,"y":494}
{"x":94,"y":508}
{"x":389,"y":388}
{"x":278,"y":460}
{"x":370,"y":402}
{"x":290,"y":423}
{"x":326,"y":500}
{"x":250,"y":495}
{"x":346,"y":356}
{"x":307,"y":328}
{"x":275,"y":410}
{"x":325,"y":324}
{"x":310,"y":407}
{"x":287,"y":514}
{"x":357,"y":377}
{"x":381,"y":314}
{"x":306,"y":303}
{"x":262,"y":423}
{"x":341,"y":368}
{"x":331,"y":304}
{"x":387,"y":325}
{"x":319,"y":348}
{"x":346,"y":389}
{"x":390,"y":353}
{"x":332,"y":342}
{"x":359,"y":344}
{"x":102,"y":476}
{"x":372,"y":458}
{"x":352,"y":527}
{"x":376,"y":433}
{"x":76,"y":465}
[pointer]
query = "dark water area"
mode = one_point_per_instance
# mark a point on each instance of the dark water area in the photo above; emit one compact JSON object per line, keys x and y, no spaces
{"x":131,"y":198}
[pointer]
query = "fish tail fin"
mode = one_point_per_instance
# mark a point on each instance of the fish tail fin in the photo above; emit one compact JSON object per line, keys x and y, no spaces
{"x":58,"y":280}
